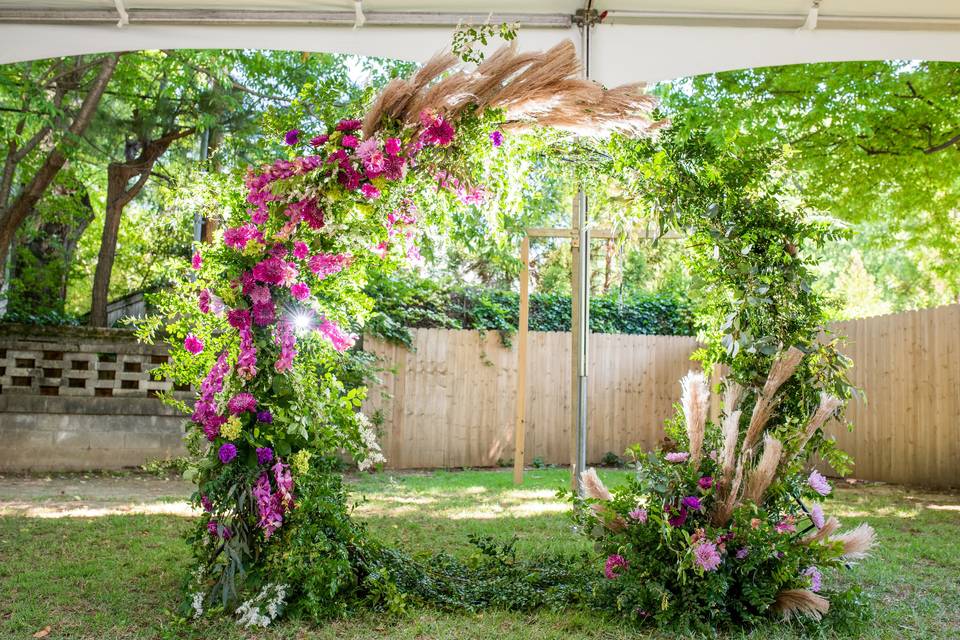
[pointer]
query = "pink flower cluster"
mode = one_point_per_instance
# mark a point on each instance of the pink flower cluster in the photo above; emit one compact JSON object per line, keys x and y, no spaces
{"x":205,"y":410}
{"x":272,"y":505}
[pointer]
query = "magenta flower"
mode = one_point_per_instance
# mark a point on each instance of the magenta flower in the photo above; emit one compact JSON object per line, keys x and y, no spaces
{"x":691,"y":502}
{"x":260,"y":294}
{"x":241,"y":403}
{"x":818,"y":483}
{"x":816,"y":516}
{"x":786,"y":525}
{"x":705,"y":482}
{"x":676,"y":517}
{"x":292,"y":137}
{"x":639,"y":515}
{"x":193,"y":344}
{"x":300,"y":250}
{"x":816,"y":578}
{"x":218,"y":530}
{"x":268,"y":506}
{"x":369,"y":191}
{"x":276,"y":271}
{"x":197,"y":261}
{"x":327,"y":264}
{"x":439,"y":133}
{"x":349,"y":141}
{"x":392,"y":146}
{"x":264,"y":314}
{"x":300,"y":291}
{"x":615,"y":566}
{"x":319,"y":140}
{"x":264,"y":455}
{"x":227,"y":452}
{"x":349,"y":125}
{"x":283,"y":336}
{"x":207,"y":505}
{"x":264,"y":416}
{"x":706,"y":556}
{"x":496,"y":138}
{"x":340,"y":339}
{"x":676,"y":456}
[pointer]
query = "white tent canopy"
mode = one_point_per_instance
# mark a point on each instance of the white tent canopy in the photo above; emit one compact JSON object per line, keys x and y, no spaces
{"x":635,"y":40}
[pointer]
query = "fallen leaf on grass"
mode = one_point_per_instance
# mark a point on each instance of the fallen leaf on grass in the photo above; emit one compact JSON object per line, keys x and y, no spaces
{"x":43,"y":633}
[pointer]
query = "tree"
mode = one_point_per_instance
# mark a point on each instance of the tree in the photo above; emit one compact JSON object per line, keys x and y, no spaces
{"x":873,"y":143}
{"x":67,"y":79}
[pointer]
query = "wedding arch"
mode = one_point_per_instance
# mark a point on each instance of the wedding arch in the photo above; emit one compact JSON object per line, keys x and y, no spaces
{"x":264,"y":323}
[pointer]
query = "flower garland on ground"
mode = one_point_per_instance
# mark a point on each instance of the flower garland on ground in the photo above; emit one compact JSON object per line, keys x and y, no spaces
{"x":263,"y":328}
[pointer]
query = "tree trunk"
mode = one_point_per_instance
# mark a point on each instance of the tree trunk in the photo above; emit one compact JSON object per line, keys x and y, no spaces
{"x":119,"y":175}
{"x":12,"y":217}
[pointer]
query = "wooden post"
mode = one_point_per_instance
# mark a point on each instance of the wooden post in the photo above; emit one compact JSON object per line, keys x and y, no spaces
{"x":520,"y":428}
{"x":575,"y":339}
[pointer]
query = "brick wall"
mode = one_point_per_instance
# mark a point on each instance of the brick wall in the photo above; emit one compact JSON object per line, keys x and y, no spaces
{"x":75,"y":398}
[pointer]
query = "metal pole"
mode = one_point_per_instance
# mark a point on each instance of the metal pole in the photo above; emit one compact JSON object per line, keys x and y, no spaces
{"x":581,"y":292}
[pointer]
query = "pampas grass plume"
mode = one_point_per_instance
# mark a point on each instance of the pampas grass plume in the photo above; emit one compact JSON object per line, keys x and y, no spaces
{"x":695,"y":400}
{"x":801,"y":602}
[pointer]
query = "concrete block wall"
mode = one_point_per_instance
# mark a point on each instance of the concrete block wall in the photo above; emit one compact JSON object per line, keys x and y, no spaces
{"x":75,"y":398}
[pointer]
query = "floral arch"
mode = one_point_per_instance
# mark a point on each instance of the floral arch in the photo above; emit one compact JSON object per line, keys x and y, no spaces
{"x":263,"y":329}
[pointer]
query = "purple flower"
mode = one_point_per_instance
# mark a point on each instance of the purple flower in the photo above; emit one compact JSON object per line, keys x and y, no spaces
{"x":676,"y":456}
{"x":218,"y":530}
{"x":207,"y":505}
{"x":264,"y":314}
{"x":227,"y":452}
{"x":241,"y":403}
{"x":742,"y":553}
{"x":692,"y":503}
{"x":197,"y":261}
{"x":264,"y":455}
{"x":816,"y":516}
{"x":706,"y":556}
{"x":292,"y":137}
{"x":818,"y":483}
{"x":496,"y":138}
{"x":193,"y":344}
{"x":615,"y":566}
{"x":265,"y":417}
{"x":675,"y":517}
{"x":705,"y":482}
{"x":816,"y":578}
{"x":638,"y":514}
{"x":300,"y":291}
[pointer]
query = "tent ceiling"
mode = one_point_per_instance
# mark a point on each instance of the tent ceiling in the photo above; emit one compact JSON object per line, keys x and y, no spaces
{"x":637,"y":40}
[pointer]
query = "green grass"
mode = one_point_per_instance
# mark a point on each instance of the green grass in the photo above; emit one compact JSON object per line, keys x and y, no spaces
{"x":118,"y":576}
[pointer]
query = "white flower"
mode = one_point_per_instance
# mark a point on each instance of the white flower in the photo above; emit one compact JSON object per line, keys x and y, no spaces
{"x":197,"y":604}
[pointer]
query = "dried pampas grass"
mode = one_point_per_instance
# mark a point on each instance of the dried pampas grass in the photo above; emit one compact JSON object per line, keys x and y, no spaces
{"x":827,"y":530}
{"x":801,"y":602}
{"x":858,"y":542}
{"x":783,"y":367}
{"x":728,"y":450}
{"x":763,"y":474}
{"x":539,"y":89}
{"x":695,"y":400}
{"x":593,"y":486}
{"x":827,"y":407}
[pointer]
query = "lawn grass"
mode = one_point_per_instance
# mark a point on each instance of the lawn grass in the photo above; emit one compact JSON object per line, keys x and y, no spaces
{"x":119,"y":576}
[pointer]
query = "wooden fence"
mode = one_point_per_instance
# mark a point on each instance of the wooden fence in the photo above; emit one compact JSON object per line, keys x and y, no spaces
{"x":451,"y":401}
{"x":908,"y":365}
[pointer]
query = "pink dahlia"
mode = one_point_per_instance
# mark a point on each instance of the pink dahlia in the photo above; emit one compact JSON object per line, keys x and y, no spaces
{"x":197,"y":261}
{"x":706,"y":556}
{"x":300,"y":291}
{"x":816,"y":516}
{"x":193,"y":344}
{"x":818,"y":483}
{"x":241,"y":403}
{"x":369,"y":191}
{"x":300,"y":250}
{"x":615,"y":566}
{"x":639,"y":515}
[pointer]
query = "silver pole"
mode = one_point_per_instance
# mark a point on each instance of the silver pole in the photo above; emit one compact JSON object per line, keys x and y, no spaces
{"x":583,"y":284}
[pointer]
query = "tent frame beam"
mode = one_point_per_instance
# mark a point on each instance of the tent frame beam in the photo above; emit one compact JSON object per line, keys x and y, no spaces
{"x":283,"y":18}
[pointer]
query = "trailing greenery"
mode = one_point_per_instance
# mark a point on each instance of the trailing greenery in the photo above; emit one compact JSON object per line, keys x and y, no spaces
{"x":404,"y":300}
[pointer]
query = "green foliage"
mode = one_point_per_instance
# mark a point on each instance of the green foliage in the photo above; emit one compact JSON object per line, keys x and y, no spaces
{"x":405,"y":301}
{"x":466,"y":38}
